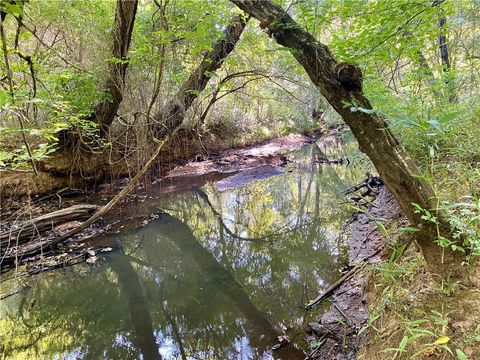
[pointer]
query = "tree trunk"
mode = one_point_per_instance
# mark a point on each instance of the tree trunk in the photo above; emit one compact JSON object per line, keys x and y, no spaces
{"x":375,"y":139}
{"x":105,"y":112}
{"x":442,"y":43}
{"x":445,"y":58}
{"x":173,"y":113}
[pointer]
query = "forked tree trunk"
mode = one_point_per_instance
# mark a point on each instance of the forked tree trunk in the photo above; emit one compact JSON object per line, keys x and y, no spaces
{"x":375,"y":139}
{"x":105,"y":111}
{"x":173,"y":114}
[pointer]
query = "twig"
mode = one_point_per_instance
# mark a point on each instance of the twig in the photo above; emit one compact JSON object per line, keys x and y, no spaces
{"x":340,"y":311}
{"x":335,"y":285}
{"x":340,"y":281}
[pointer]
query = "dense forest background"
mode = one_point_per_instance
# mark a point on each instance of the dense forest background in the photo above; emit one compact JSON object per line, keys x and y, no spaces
{"x":419,"y":60}
{"x":93,"y":91}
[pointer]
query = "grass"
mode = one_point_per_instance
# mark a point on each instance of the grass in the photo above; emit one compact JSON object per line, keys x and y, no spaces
{"x":413,"y":316}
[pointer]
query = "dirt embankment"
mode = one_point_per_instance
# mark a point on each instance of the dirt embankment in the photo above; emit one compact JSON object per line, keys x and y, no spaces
{"x":338,"y":333}
{"x":255,"y":162}
{"x":185,"y":156}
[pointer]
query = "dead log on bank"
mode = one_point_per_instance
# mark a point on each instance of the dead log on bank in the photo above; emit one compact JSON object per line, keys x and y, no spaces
{"x":26,"y":230}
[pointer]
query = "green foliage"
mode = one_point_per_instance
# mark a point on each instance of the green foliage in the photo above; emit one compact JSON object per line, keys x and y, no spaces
{"x":464,"y":218}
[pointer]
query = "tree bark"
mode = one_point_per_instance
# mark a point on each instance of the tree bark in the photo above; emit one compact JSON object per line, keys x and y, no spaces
{"x":29,"y":229}
{"x":445,"y":58}
{"x":442,"y":43}
{"x":173,"y":114}
{"x":398,"y":171}
{"x":105,"y":111}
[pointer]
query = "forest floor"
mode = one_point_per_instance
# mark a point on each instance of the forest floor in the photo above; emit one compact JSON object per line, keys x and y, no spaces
{"x":415,"y":316}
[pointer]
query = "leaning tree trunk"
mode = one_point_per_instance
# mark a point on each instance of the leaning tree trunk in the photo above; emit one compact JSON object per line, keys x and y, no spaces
{"x":340,"y":84}
{"x":105,"y":111}
{"x":173,"y":114}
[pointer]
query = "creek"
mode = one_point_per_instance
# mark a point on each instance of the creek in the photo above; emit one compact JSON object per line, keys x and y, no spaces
{"x":218,"y":270}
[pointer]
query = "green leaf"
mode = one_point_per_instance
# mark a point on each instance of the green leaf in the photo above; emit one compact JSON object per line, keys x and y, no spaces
{"x":403,"y":344}
{"x":13,"y":9}
{"x":449,"y":117}
{"x":382,"y":229}
{"x":442,"y":340}
{"x":4,"y":98}
{"x":434,"y":123}
{"x":461,"y":355}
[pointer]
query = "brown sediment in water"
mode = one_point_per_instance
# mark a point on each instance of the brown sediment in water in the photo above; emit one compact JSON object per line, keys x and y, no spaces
{"x":255,"y":161}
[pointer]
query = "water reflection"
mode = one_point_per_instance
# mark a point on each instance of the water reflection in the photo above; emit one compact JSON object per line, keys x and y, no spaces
{"x":212,"y":277}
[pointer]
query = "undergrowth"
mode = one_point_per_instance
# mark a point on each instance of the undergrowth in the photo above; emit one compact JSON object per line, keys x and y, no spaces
{"x":412,"y":316}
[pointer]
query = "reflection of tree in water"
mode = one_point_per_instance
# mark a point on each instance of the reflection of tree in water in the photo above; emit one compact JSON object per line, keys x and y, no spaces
{"x":273,"y":259}
{"x":76,"y":309}
{"x":207,"y":326}
{"x":220,"y":281}
{"x":207,"y":282}
{"x":143,"y":335}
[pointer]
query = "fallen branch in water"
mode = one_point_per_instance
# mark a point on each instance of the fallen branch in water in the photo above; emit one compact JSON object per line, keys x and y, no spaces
{"x":38,"y":247}
{"x":26,"y":230}
{"x":340,"y":281}
{"x":332,"y":287}
{"x":370,"y":183}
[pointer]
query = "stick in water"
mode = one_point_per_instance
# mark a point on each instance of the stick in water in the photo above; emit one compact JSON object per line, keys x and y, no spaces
{"x":105,"y":209}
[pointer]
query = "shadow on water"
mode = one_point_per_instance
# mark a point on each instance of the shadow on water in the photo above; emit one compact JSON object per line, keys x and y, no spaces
{"x":215,"y":275}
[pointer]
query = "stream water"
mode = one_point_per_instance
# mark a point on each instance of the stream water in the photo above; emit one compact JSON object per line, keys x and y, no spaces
{"x":218,"y":271}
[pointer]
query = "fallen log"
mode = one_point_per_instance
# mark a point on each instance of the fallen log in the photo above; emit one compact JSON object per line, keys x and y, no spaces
{"x":39,"y":246}
{"x":26,"y":230}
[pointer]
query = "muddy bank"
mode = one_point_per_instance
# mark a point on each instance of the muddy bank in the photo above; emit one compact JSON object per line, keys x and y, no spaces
{"x":186,"y":155}
{"x":338,"y":333}
{"x":232,"y":160}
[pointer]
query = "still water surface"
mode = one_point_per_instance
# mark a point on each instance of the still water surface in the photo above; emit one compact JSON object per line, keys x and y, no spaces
{"x":212,"y":275}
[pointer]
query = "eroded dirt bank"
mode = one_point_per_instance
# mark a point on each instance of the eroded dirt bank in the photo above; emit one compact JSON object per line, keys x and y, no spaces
{"x":338,"y":333}
{"x":69,"y":176}
{"x":255,"y":162}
